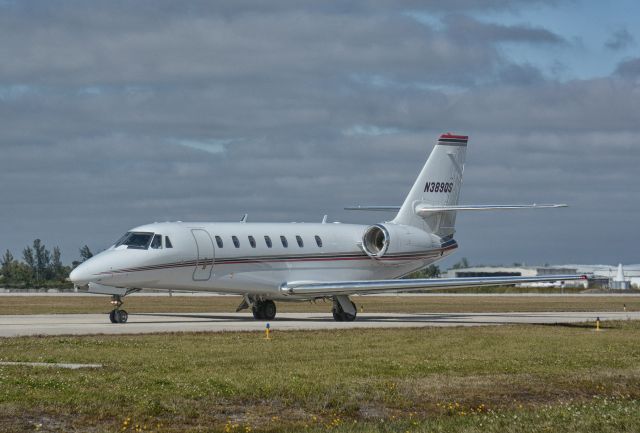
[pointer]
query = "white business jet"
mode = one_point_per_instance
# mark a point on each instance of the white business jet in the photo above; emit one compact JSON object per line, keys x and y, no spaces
{"x":267,"y":262}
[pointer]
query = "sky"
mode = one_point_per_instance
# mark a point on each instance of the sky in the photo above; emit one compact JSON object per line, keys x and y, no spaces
{"x":115,"y":114}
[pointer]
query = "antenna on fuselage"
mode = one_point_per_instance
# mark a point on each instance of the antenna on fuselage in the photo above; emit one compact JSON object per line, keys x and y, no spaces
{"x":324,"y":219}
{"x":244,"y":218}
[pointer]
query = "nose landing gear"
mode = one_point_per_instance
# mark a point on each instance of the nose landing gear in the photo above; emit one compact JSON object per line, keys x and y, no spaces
{"x":118,"y":315}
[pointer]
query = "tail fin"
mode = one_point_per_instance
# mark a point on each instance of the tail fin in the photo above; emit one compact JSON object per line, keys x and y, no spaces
{"x":438,"y":184}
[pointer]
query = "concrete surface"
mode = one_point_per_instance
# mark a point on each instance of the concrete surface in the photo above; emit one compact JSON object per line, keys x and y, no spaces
{"x":83,"y":324}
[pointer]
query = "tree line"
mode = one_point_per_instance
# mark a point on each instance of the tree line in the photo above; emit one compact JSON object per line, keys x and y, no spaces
{"x":39,"y":266}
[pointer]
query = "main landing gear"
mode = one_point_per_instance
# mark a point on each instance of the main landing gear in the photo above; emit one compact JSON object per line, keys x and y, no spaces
{"x":344,"y":310}
{"x":118,"y":315}
{"x":264,"y":310}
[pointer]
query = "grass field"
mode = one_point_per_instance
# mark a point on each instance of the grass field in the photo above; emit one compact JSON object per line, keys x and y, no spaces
{"x":371,"y":304}
{"x":490,"y":379}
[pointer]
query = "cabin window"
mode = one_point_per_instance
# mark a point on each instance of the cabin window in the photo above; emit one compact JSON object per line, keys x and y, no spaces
{"x":156,"y":243}
{"x":267,"y":240}
{"x":167,"y":242}
{"x":252,"y":242}
{"x":318,"y":241}
{"x":136,"y":240}
{"x":219,"y":242}
{"x":299,"y":240}
{"x":284,"y":241}
{"x":236,"y":242}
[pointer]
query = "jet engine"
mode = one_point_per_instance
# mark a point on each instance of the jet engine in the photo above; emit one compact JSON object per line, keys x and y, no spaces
{"x":381,"y":240}
{"x":375,"y":240}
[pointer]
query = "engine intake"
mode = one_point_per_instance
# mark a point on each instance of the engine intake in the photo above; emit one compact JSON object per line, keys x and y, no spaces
{"x":375,"y":241}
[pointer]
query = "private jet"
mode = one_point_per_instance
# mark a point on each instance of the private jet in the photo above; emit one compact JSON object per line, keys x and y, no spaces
{"x":282,"y":262}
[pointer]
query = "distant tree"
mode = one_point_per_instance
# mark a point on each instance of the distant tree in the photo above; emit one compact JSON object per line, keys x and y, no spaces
{"x":431,"y":271}
{"x":463,"y":263}
{"x":43,"y":260}
{"x":85,"y":253}
{"x":7,"y":265}
{"x":21,"y":274}
{"x":57,"y":270}
{"x":30,"y":261}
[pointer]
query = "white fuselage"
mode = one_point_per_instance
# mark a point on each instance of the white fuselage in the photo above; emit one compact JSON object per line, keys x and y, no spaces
{"x":205,"y":257}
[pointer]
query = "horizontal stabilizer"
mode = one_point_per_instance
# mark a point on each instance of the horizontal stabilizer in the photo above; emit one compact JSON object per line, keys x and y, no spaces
{"x":319,"y":289}
{"x":425,"y":209}
{"x":375,"y":208}
{"x":422,"y":209}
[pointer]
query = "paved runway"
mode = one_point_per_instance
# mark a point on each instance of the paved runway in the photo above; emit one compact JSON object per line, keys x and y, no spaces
{"x":83,"y":324}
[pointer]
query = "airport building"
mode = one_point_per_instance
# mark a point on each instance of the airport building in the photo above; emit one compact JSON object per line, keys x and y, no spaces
{"x":518,"y":271}
{"x":600,"y":276}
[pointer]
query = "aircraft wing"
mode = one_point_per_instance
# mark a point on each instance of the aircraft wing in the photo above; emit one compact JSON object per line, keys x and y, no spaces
{"x":334,"y":288}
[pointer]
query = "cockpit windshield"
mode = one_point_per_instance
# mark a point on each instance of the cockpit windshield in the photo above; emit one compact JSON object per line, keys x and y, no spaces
{"x":137,"y":240}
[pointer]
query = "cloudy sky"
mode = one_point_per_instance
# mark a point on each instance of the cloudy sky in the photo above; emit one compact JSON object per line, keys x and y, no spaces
{"x":114,"y":114}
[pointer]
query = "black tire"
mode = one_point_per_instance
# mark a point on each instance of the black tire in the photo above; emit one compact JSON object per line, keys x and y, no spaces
{"x":257,"y":312}
{"x":346,"y":317}
{"x":121,"y":316}
{"x":112,"y":316}
{"x":268,"y":310}
{"x":350,"y":317}
{"x":339,"y":315}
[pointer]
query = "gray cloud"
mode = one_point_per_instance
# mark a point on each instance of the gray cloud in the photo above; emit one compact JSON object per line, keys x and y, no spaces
{"x":629,"y":69}
{"x":113,"y":115}
{"x":471,"y":30}
{"x":619,"y":40}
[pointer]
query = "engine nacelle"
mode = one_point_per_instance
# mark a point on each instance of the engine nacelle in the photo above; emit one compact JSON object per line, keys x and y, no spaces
{"x":381,"y":240}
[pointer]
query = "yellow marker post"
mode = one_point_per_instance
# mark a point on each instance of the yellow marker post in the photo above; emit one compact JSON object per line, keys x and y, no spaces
{"x":266,"y":332}
{"x":597,"y":323}
{"x":361,"y":308}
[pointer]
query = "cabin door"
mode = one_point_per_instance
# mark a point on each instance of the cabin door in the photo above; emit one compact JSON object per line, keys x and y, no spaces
{"x":205,"y":255}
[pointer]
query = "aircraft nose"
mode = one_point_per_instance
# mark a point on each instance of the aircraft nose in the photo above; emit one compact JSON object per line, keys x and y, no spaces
{"x":87,"y":272}
{"x":80,"y":275}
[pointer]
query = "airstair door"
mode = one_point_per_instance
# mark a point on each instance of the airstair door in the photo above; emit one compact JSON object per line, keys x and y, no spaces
{"x":205,"y":255}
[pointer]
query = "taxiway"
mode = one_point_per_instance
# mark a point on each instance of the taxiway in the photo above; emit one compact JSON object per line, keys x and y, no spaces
{"x":143,"y":323}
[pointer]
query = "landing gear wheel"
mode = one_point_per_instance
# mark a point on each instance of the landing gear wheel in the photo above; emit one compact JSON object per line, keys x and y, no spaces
{"x":264,"y":310}
{"x":257,"y":312}
{"x":122,"y":316}
{"x":269,"y":310}
{"x":118,"y":316}
{"x":339,"y":315}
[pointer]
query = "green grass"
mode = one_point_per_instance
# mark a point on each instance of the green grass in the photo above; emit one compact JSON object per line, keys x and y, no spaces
{"x":507,"y":378}
{"x":370,"y":304}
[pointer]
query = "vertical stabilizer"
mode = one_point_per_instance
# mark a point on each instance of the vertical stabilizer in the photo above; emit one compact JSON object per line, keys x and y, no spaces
{"x":438,"y":184}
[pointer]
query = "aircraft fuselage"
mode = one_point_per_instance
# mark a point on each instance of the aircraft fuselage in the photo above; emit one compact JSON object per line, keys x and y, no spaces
{"x":253,"y":258}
